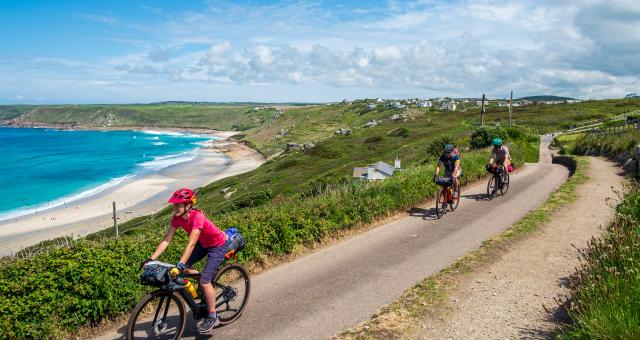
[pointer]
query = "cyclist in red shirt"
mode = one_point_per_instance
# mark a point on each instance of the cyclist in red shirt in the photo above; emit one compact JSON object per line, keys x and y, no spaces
{"x":205,"y":239}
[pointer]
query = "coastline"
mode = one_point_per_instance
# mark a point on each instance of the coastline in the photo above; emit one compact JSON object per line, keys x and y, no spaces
{"x":138,"y":197}
{"x":13,"y":123}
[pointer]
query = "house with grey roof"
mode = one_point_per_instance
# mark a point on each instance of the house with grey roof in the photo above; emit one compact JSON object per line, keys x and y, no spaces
{"x":376,"y":171}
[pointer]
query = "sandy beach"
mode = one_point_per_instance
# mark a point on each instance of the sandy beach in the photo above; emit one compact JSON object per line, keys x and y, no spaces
{"x":134,"y":198}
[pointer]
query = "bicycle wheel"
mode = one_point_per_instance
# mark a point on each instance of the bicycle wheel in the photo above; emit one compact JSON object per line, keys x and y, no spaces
{"x":232,"y":292}
{"x":456,"y":198}
{"x":505,"y":183}
{"x":441,"y":203}
{"x":155,"y":316}
{"x":491,"y":187}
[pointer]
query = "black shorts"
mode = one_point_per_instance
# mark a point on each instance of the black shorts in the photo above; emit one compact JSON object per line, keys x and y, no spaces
{"x":215,"y":256}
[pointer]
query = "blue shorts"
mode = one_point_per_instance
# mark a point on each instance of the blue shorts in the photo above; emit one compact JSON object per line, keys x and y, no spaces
{"x":215,"y":256}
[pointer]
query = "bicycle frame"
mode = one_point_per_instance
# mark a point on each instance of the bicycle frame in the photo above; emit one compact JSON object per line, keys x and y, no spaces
{"x":199,"y":310}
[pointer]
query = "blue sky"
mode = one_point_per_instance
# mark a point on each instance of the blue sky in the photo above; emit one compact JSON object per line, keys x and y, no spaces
{"x":145,"y":51}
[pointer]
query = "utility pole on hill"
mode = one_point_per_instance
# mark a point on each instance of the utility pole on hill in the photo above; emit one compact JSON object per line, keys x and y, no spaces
{"x":482,"y":111}
{"x":510,"y":101}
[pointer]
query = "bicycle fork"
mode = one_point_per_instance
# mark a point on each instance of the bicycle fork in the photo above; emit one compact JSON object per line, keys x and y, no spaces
{"x":160,"y":326}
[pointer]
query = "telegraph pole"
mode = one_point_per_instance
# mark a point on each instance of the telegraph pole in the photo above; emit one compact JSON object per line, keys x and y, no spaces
{"x":482,"y":112}
{"x":510,"y":101}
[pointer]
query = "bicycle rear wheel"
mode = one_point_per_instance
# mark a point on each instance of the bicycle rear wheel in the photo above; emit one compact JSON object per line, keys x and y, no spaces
{"x":232,"y":292}
{"x":441,"y":202}
{"x":505,"y":183}
{"x":158,"y":315}
{"x":492,"y":186}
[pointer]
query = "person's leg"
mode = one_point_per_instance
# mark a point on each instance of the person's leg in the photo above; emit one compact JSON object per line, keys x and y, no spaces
{"x":198,"y":254}
{"x":215,"y":256}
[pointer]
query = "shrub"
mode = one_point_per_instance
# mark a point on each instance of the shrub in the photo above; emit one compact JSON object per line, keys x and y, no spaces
{"x":435,"y":147}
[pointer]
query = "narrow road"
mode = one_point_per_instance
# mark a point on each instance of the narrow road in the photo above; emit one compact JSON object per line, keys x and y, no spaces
{"x":323,"y":293}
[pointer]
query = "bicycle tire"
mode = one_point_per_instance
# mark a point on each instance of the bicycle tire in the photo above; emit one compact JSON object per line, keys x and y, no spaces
{"x":163,"y":294}
{"x":441,"y":204}
{"x":456,"y":198}
{"x":491,"y":187}
{"x":224,"y":320}
{"x":505,"y":184}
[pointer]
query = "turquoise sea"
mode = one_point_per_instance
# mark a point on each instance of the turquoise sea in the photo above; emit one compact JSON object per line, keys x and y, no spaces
{"x":44,"y":168}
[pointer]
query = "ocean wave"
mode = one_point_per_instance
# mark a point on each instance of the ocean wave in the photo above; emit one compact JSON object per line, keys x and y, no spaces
{"x":172,"y":134}
{"x":64,"y":200}
{"x":159,"y":143}
{"x":166,"y":133}
{"x":162,"y":162}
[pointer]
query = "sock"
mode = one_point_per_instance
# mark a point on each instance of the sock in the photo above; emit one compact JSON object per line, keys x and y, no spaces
{"x":213,"y":315}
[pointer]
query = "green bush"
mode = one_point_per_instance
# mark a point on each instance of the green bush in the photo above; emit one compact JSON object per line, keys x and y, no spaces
{"x":481,"y":138}
{"x":436,"y":146}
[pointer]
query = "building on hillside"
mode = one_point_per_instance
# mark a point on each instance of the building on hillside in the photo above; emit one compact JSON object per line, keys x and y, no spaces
{"x":376,"y":171}
{"x":425,"y":103}
{"x":448,"y":105}
{"x":371,"y":106}
{"x":380,"y":100}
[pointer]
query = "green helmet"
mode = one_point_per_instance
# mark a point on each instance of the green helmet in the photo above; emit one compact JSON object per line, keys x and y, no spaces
{"x":496,"y":141}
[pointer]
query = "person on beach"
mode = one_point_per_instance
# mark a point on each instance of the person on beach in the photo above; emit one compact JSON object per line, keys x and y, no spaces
{"x":205,"y":239}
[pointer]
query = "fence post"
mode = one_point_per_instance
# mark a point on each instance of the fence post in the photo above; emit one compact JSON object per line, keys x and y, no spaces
{"x":115,"y":220}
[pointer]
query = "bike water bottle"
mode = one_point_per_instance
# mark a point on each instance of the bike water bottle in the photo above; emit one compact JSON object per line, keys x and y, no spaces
{"x":191,"y":288}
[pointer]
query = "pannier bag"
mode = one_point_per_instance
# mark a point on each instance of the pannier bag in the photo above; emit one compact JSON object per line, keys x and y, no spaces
{"x":235,"y":242}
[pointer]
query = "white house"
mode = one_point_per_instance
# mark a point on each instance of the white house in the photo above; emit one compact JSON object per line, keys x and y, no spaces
{"x":426,"y":103}
{"x":376,"y":171}
{"x":371,"y":106}
{"x":449,"y":105}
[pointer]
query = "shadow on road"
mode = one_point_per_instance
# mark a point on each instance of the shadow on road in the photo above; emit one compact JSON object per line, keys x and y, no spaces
{"x":476,"y":197}
{"x":425,"y":213}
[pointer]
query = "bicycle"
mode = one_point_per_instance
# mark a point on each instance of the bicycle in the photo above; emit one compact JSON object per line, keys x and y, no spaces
{"x":231,"y":282}
{"x":447,"y":196}
{"x":499,"y":181}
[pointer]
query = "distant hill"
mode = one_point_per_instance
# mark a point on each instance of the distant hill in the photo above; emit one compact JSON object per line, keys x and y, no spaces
{"x":545,"y":98}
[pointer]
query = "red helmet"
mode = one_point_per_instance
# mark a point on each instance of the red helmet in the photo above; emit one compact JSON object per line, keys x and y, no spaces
{"x":183,"y":195}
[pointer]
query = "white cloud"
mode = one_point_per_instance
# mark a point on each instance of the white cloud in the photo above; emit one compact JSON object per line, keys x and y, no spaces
{"x":579,"y":48}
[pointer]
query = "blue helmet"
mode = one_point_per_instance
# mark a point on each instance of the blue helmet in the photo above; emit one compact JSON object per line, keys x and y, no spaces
{"x":448,"y":148}
{"x":496,"y":142}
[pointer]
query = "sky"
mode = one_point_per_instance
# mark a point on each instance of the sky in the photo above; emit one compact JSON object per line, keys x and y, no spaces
{"x":315,"y":51}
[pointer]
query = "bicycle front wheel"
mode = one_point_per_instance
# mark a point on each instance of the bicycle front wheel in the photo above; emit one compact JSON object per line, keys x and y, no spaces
{"x":158,"y":315}
{"x":456,"y":198}
{"x":232,"y":292}
{"x":491,"y":187}
{"x":505,"y":183}
{"x":441,"y":203}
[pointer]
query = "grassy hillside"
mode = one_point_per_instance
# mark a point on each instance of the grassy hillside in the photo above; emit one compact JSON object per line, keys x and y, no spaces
{"x":543,"y":118}
{"x":215,"y":116}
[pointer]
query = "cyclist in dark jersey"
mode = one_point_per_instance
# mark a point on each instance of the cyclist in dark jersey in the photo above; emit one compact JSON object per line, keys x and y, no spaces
{"x":450,"y":162}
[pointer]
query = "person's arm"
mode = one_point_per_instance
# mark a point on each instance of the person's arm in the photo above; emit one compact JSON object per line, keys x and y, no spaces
{"x":456,"y":168}
{"x":164,"y":244}
{"x":193,"y":238}
{"x":492,"y":157}
{"x":437,"y":172}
